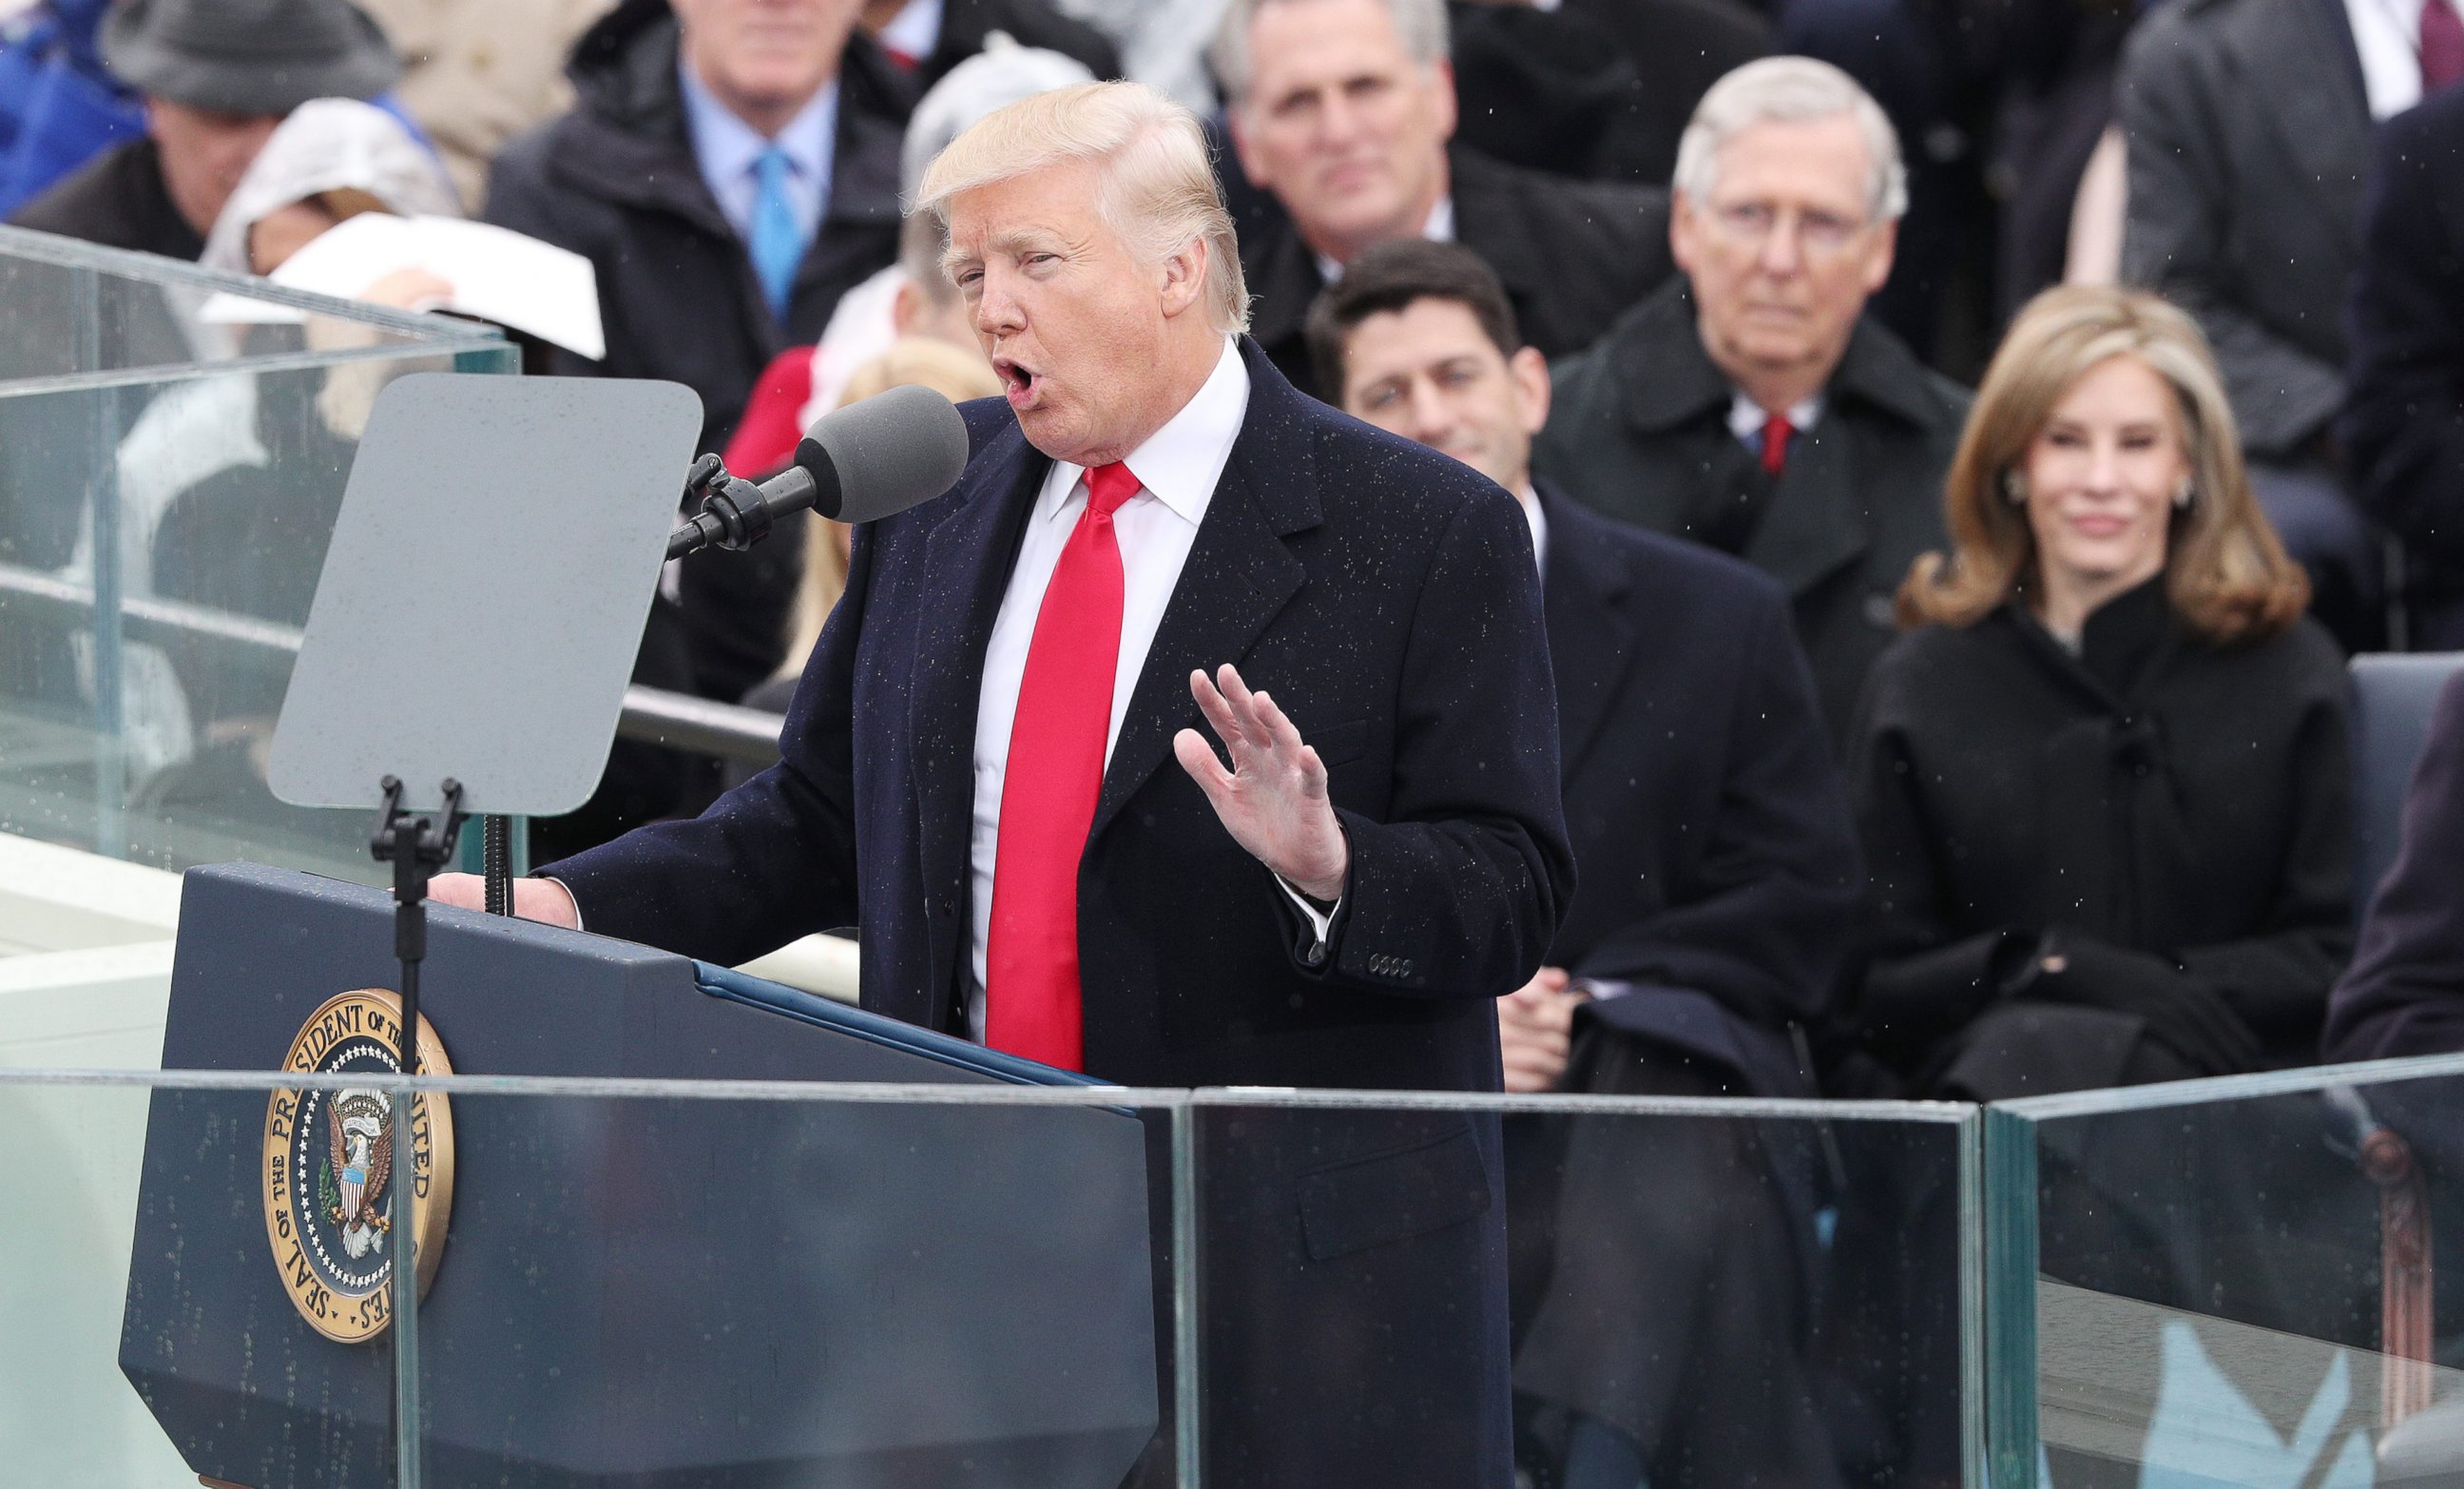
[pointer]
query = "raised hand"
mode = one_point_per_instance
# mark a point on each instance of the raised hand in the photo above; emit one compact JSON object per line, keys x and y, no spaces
{"x":1274,"y":800}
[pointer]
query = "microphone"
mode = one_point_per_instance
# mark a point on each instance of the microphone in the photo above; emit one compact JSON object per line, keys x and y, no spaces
{"x":867,"y":460}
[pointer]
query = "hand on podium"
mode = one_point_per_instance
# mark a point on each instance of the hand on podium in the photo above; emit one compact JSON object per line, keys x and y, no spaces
{"x":1274,"y":800}
{"x":542,"y":900}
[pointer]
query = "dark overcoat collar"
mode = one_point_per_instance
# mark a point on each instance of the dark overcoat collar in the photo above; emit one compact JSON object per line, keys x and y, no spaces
{"x":1817,"y":520}
{"x":1240,"y":574}
{"x":1592,"y":629}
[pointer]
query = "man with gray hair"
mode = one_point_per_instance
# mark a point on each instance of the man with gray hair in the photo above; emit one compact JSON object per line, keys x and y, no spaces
{"x":1002,"y":768}
{"x":1752,"y":404}
{"x":1342,"y":115}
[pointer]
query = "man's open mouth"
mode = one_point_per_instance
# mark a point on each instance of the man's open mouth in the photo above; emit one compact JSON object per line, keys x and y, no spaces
{"x":1018,"y":381}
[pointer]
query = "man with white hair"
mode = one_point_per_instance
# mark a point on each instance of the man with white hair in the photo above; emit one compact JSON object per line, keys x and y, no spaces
{"x":1753,"y":404}
{"x":1342,"y":115}
{"x":1002,"y":768}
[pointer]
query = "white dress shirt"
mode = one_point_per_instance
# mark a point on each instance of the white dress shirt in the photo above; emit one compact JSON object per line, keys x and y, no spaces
{"x":2387,"y":36}
{"x":1178,"y":469}
{"x":1438,"y":229}
{"x":1538,"y":521}
{"x":1746,"y":419}
{"x":726,"y":148}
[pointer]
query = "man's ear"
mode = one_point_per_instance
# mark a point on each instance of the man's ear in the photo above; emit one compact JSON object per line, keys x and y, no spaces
{"x":1449,"y":110}
{"x":1877,"y":269}
{"x":906,"y":306}
{"x":1530,"y":374}
{"x":1184,"y":276}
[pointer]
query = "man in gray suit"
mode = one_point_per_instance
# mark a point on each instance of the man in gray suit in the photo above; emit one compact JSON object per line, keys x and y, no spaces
{"x":2248,"y":124}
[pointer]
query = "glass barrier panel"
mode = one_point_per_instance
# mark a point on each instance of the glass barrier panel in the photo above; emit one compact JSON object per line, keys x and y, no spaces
{"x":967,"y":1287}
{"x":1601,"y":1291}
{"x":75,"y":310}
{"x":144,"y":1335}
{"x":160,"y":543}
{"x":2230,"y":1281}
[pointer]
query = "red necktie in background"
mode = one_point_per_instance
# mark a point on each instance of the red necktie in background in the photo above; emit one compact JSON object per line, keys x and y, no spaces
{"x":1775,"y":432}
{"x":1049,"y":787}
{"x":2442,"y":44}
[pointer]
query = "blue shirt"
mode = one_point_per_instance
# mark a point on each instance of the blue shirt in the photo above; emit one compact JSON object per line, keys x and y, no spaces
{"x":726,"y":146}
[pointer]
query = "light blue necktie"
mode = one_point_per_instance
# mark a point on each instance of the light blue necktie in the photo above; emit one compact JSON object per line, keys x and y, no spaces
{"x":777,"y":244}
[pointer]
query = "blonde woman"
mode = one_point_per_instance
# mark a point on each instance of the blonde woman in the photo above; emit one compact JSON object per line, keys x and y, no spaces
{"x":2103,"y":781}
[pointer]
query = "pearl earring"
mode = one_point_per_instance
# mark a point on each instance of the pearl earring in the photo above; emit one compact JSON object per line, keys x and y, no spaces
{"x":2014,"y":488}
{"x":2183,"y":492}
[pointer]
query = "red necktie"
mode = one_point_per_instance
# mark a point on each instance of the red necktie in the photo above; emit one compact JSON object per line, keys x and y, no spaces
{"x":1775,"y":432}
{"x":2442,"y":44}
{"x":1049,"y":786}
{"x":907,"y":62}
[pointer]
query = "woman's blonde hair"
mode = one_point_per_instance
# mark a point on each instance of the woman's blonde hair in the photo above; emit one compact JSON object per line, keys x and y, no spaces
{"x":1157,"y":189}
{"x":956,"y":373}
{"x":2226,"y":575}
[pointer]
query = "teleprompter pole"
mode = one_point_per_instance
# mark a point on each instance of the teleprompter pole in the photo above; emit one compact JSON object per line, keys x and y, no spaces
{"x":417,"y":845}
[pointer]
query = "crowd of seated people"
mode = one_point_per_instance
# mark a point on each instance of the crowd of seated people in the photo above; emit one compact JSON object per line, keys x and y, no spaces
{"x":1915,"y":741}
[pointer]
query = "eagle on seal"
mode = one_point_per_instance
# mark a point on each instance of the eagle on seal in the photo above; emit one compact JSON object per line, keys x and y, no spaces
{"x":363,"y":1155}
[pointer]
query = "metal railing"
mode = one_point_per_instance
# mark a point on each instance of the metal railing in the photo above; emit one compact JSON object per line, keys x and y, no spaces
{"x":651,"y":716}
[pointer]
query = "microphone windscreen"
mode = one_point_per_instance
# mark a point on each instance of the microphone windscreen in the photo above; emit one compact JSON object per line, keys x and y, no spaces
{"x":888,"y":452}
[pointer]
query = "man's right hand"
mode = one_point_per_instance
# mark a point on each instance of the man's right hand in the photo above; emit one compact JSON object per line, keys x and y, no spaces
{"x":1535,"y":1028}
{"x":542,"y":900}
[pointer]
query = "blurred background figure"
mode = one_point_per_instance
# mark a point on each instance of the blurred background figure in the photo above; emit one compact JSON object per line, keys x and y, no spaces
{"x":930,"y":37}
{"x":477,"y":72}
{"x":1752,"y":404}
{"x":2102,"y":788}
{"x":1341,"y":114}
{"x":2403,"y":994}
{"x":1599,"y":89}
{"x":2247,"y":125}
{"x":60,"y":106}
{"x":912,"y":296}
{"x":730,"y":170}
{"x":216,"y":78}
{"x":225,"y":496}
{"x":1721,"y":886}
{"x":2403,"y":419}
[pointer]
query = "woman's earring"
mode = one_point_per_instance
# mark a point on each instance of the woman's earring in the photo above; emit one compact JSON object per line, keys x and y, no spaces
{"x":2014,"y":488}
{"x":2183,"y":492}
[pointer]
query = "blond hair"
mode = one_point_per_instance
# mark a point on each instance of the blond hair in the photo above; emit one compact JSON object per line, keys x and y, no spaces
{"x":2225,"y":576}
{"x":956,"y":373}
{"x":1156,"y":188}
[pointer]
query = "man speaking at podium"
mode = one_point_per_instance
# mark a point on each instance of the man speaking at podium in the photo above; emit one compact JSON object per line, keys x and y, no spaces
{"x":994,"y":769}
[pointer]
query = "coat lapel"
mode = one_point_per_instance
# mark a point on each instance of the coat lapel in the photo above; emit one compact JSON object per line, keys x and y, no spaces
{"x":1239,"y":576}
{"x":1592,"y":633}
{"x":967,"y":559}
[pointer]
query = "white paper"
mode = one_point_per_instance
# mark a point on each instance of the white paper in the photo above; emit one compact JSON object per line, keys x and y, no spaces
{"x":498,"y":275}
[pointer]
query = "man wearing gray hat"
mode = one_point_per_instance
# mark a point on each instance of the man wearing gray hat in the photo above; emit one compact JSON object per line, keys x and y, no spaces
{"x":216,"y":76}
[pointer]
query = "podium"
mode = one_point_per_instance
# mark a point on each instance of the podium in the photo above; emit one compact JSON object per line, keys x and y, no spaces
{"x":652,"y":1290}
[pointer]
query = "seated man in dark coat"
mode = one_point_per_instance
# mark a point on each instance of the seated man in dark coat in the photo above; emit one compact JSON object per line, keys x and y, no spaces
{"x":1752,"y":405}
{"x":2403,"y":424}
{"x":215,"y":81}
{"x":1719,"y":891}
{"x":2403,"y":994}
{"x":730,"y":170}
{"x":1341,"y":112}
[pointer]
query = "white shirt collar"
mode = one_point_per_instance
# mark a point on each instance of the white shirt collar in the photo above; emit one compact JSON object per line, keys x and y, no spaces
{"x":915,"y":31}
{"x":1438,"y":229}
{"x":1179,"y":463}
{"x":725,"y":146}
{"x":1747,"y":417}
{"x":1538,"y":521}
{"x":2386,"y":36}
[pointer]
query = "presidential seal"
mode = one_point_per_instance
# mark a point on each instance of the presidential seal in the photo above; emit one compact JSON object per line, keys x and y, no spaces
{"x":335,"y":1164}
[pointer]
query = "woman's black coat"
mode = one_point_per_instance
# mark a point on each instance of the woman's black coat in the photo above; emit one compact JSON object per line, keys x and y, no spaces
{"x":2125,"y":865}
